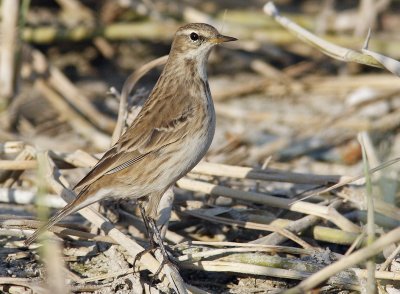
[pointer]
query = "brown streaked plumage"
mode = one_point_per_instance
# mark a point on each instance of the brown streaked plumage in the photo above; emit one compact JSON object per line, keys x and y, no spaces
{"x":168,"y":138}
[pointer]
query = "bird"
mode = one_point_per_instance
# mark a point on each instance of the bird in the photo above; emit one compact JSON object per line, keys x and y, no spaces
{"x":169,"y":136}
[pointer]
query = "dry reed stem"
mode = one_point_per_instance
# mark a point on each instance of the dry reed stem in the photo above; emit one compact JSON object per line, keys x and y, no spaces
{"x":322,"y":45}
{"x":296,"y":226}
{"x":193,"y":256}
{"x":390,"y":64}
{"x":64,"y":86}
{"x":11,"y":147}
{"x":236,"y":245}
{"x":369,"y":200}
{"x":46,"y":34}
{"x":51,"y":251}
{"x":18,"y":164}
{"x":77,"y":122}
{"x":10,"y":221}
{"x":82,"y":159}
{"x":9,"y":195}
{"x":273,"y":175}
{"x":8,"y":47}
{"x":28,"y":153}
{"x":242,"y":268}
{"x":300,"y":206}
{"x":251,"y":225}
{"x":328,"y":85}
{"x":77,"y":158}
{"x":35,"y":284}
{"x":357,"y":257}
{"x":380,"y":206}
{"x":238,"y":267}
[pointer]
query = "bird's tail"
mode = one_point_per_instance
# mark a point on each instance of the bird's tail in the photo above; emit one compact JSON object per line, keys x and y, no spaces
{"x":68,"y":209}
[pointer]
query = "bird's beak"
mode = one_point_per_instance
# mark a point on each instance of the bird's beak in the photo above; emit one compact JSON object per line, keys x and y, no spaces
{"x":221,"y":39}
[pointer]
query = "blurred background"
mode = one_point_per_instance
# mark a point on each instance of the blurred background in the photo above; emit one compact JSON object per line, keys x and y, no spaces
{"x":275,"y":95}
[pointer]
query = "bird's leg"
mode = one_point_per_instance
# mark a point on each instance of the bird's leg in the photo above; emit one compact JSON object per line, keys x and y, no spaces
{"x":149,"y":235}
{"x":154,"y":235}
{"x":146,"y":222}
{"x":157,"y":236}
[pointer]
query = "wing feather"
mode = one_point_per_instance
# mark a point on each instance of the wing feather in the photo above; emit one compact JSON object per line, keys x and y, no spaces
{"x":136,"y":143}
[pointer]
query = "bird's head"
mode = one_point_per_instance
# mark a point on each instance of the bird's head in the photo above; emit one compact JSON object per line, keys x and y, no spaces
{"x":195,"y":40}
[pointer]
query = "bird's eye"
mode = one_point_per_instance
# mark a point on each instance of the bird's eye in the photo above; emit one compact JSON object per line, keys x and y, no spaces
{"x":194,"y":36}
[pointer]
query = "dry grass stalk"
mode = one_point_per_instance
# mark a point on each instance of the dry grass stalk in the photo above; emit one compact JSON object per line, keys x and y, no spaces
{"x":8,"y":46}
{"x":370,"y":215}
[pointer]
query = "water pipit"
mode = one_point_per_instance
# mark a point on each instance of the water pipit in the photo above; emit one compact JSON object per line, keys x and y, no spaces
{"x":168,"y":138}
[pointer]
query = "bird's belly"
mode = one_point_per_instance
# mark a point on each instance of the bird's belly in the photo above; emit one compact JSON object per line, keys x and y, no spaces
{"x":186,"y":154}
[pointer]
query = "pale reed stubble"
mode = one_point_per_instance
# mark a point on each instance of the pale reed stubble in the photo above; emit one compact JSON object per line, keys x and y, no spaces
{"x":168,"y":138}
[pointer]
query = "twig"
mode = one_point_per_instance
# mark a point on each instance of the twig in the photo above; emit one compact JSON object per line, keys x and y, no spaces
{"x":356,"y":243}
{"x":390,"y":64}
{"x":390,"y":258}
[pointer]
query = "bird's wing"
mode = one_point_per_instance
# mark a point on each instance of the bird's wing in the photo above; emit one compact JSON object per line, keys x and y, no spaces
{"x":139,"y":141}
